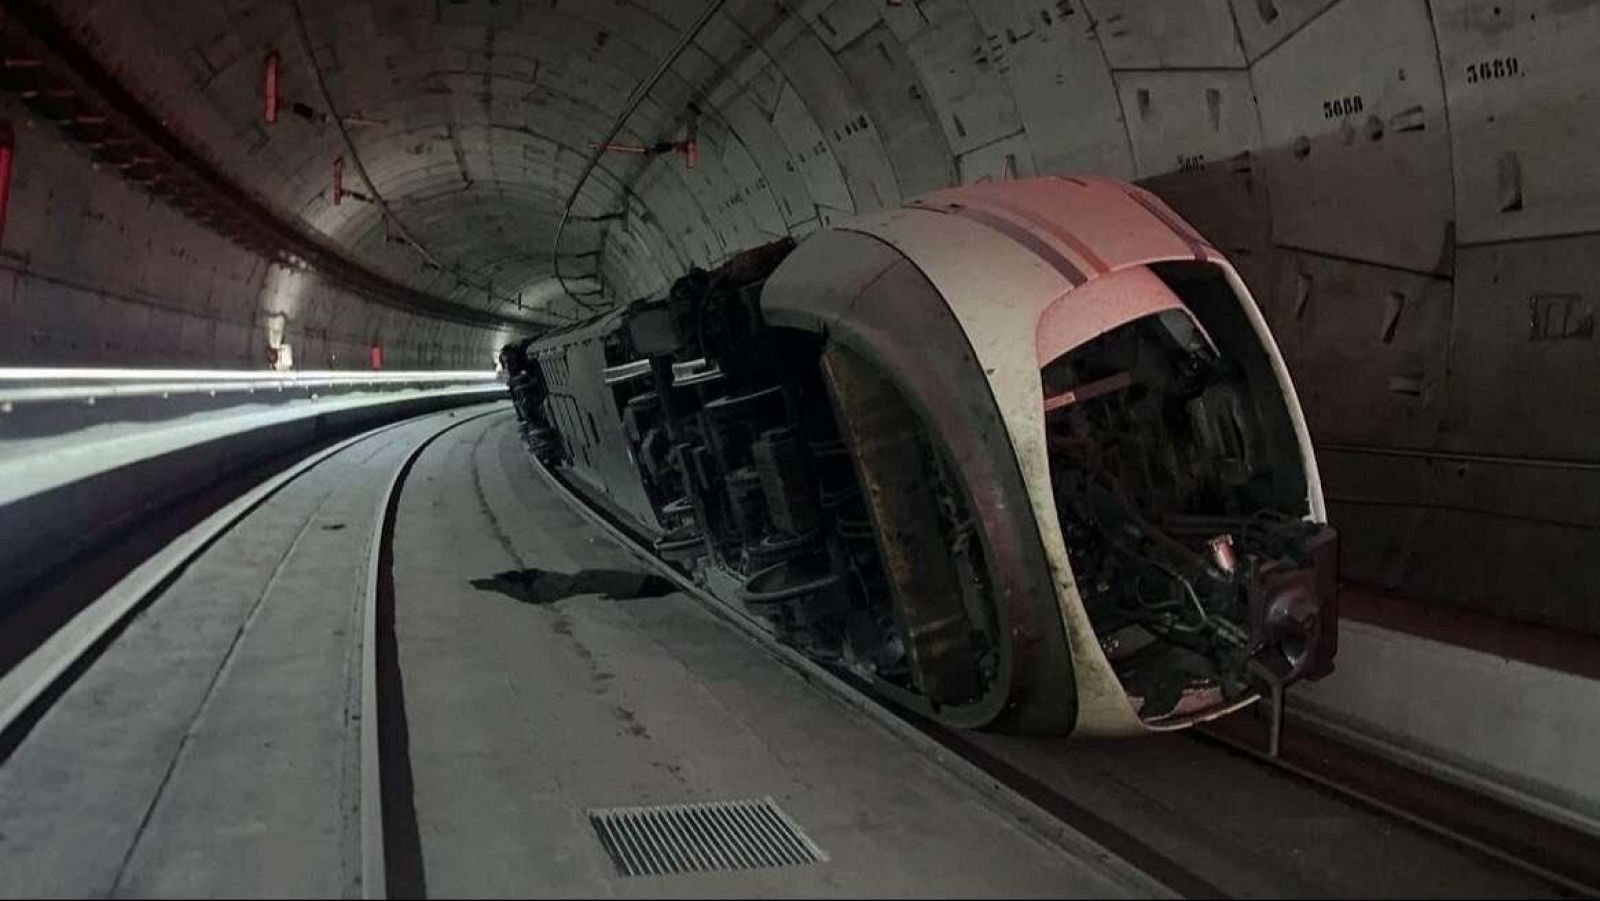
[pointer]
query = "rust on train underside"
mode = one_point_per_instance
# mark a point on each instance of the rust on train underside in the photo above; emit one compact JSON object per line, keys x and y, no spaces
{"x":887,"y":449}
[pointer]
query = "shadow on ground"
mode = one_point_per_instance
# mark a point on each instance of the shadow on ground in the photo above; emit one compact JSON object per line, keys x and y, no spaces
{"x":538,"y":586}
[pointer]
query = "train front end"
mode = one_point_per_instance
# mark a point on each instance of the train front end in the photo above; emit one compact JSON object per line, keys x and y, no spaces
{"x":1159,"y":445}
{"x":1021,"y":456}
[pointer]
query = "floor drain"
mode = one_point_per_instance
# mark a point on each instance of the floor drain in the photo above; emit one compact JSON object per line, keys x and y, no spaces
{"x":702,"y":838}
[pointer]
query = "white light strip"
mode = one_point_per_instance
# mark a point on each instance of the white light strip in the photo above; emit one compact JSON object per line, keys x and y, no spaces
{"x":32,"y":386}
{"x":63,"y":374}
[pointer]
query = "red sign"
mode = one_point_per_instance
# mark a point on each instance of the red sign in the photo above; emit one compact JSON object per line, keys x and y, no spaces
{"x":271,"y":89}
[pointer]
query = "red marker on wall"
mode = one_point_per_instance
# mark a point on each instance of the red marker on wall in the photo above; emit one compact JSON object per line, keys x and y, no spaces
{"x":7,"y":147}
{"x":270,"y":89}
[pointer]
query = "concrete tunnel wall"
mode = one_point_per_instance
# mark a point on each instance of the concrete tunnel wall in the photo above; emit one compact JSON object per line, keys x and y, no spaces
{"x":95,"y":272}
{"x":1405,"y":185}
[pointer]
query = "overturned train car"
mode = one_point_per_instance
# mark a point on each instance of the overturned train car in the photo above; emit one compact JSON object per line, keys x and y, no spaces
{"x":1022,"y":455}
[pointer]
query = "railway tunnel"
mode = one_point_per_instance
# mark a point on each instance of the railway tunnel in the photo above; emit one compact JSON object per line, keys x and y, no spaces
{"x":262,"y":258}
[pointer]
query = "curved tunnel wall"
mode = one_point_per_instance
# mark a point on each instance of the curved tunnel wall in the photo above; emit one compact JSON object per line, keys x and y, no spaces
{"x":1403,"y":183}
{"x":94,"y":272}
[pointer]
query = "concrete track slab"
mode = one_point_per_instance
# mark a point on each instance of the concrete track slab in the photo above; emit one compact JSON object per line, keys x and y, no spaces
{"x":1253,"y":831}
{"x":598,"y":687}
{"x":209,"y":750}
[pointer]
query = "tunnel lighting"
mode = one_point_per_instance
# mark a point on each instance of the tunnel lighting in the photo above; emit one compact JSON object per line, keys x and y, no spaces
{"x":88,"y":386}
{"x":270,"y":89}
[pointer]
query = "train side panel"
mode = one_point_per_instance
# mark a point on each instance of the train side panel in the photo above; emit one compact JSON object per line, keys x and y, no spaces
{"x":583,"y":409}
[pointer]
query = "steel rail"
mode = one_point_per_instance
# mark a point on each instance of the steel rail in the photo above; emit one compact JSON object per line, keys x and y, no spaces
{"x":1370,"y":799}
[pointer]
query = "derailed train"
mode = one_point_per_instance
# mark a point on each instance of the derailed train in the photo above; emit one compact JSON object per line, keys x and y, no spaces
{"x":1022,"y":455}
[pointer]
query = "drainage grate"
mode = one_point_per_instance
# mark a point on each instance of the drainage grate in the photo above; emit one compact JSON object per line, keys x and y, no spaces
{"x":700,"y":838}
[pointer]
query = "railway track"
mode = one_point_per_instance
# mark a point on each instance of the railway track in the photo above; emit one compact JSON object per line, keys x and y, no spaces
{"x":389,"y":849}
{"x":1565,"y":860}
{"x":1550,"y":851}
{"x":29,"y":688}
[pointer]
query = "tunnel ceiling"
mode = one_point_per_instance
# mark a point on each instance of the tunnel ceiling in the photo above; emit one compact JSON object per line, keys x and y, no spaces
{"x":473,"y":118}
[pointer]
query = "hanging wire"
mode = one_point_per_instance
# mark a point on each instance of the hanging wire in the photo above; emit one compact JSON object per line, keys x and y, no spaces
{"x":377,"y":197}
{"x":637,"y":97}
